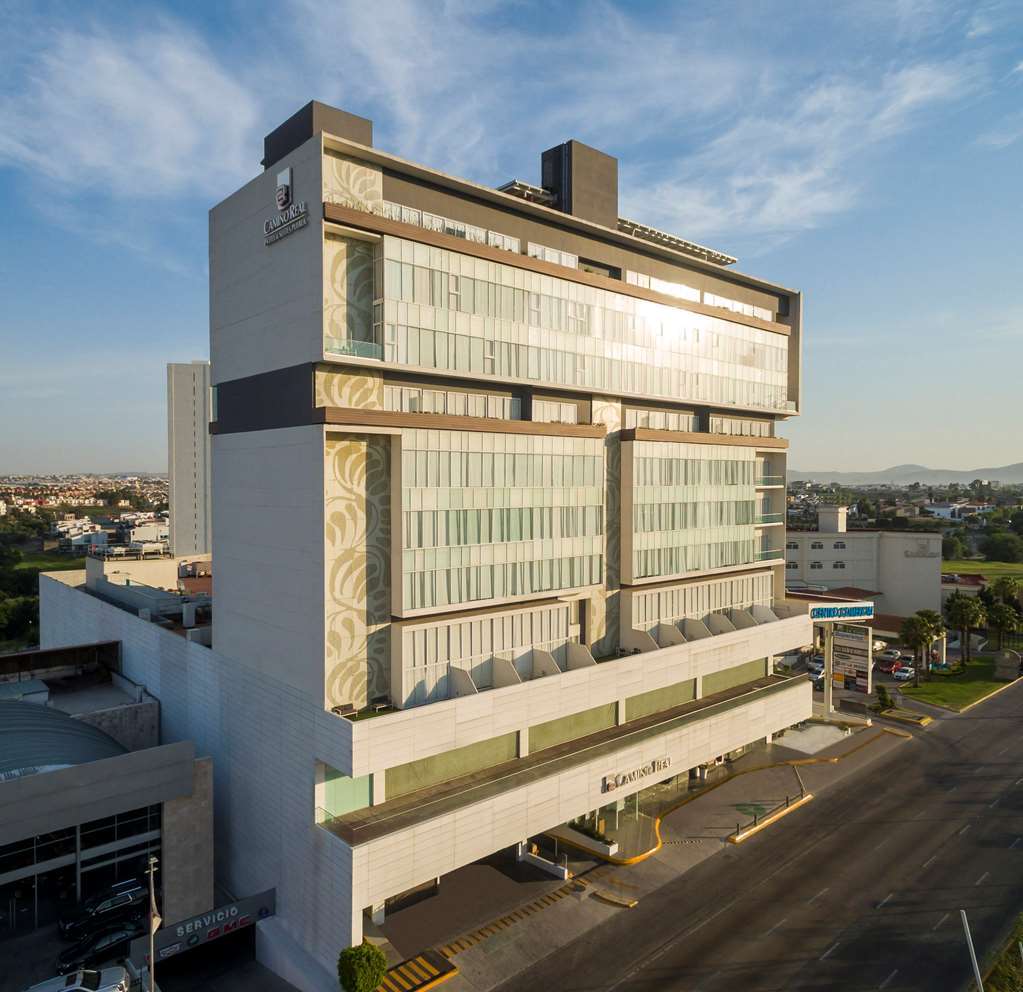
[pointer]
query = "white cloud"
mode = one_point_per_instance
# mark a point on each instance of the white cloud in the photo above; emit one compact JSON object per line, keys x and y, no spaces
{"x":145,"y":113}
{"x":784,"y":168}
{"x":1007,"y":132}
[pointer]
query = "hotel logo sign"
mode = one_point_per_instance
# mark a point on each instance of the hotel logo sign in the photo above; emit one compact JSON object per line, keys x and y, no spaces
{"x":847,"y":611}
{"x":613,"y":782}
{"x":293,"y":215}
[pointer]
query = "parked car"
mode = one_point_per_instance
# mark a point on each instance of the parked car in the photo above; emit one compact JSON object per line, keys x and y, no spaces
{"x":103,"y":945}
{"x":818,"y":683}
{"x":891,"y":654}
{"x":903,"y":674}
{"x":888,"y":667}
{"x":115,"y":904}
{"x":815,"y":666}
{"x":87,"y":980}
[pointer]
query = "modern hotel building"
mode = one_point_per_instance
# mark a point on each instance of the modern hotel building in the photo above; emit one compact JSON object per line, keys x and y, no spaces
{"x":498,"y":522}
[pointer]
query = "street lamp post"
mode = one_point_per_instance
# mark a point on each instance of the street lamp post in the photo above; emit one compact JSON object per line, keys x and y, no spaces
{"x":154,"y":921}
{"x":973,"y":953}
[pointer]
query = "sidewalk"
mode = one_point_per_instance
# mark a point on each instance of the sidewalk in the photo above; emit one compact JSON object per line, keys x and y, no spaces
{"x":694,"y":830}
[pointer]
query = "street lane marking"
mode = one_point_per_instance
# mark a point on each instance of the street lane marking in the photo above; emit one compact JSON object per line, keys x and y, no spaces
{"x":1014,"y":843}
{"x":982,"y":877}
{"x":953,"y":789}
{"x":885,"y":899}
{"x":992,"y":804}
{"x":1003,"y":750}
{"x":819,"y":894}
{"x":828,"y":951}
{"x":1019,"y":780}
{"x":930,"y":861}
{"x":963,"y":831}
{"x":775,"y":927}
{"x":885,"y":983}
{"x":938,"y":924}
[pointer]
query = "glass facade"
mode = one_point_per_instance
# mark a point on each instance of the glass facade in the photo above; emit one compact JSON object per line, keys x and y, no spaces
{"x":458,"y":403}
{"x":694,"y":507}
{"x":495,"y":516}
{"x":446,"y":311}
{"x":43,"y":876}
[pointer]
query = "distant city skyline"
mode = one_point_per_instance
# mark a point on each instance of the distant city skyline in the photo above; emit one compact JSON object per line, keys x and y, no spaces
{"x":865,"y":153}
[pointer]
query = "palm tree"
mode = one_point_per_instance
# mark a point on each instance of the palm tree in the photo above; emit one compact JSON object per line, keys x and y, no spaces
{"x":935,"y":629}
{"x":1007,"y":589}
{"x":915,"y":633}
{"x":964,"y":613}
{"x":1003,"y":619}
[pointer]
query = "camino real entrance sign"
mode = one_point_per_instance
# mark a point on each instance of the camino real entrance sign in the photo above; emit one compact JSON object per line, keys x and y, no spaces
{"x":201,"y":929}
{"x":616,"y":780}
{"x":842,"y":611}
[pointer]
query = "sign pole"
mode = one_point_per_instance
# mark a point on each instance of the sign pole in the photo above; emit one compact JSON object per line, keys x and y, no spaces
{"x":829,"y":665}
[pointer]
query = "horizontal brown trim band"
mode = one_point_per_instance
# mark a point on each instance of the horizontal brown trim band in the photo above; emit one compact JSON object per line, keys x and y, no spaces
{"x":383,"y":225}
{"x":745,"y":570}
{"x":339,"y":415}
{"x":688,"y":437}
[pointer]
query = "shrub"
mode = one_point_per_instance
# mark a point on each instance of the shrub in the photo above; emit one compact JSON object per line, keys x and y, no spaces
{"x":884,"y":699}
{"x":362,"y":968}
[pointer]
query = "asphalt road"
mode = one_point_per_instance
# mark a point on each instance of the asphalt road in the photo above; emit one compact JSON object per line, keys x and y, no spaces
{"x":861,"y":889}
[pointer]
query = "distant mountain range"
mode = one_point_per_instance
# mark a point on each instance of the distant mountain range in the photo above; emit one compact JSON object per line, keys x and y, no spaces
{"x":904,"y":475}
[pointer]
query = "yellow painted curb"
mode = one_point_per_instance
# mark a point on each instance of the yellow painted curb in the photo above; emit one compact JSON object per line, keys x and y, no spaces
{"x":919,"y":721}
{"x":616,"y":900}
{"x":777,"y":815}
{"x":792,"y":763}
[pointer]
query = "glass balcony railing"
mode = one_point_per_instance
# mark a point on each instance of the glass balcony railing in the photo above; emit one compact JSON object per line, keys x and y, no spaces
{"x":770,"y":480}
{"x":359,"y":349}
{"x":770,"y":518}
{"x":770,"y":555}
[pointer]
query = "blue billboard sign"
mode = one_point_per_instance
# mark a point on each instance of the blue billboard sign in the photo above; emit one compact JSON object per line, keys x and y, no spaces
{"x":842,"y":611}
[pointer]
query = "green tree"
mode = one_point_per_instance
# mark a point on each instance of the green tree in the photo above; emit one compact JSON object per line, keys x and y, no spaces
{"x":935,"y":625}
{"x":964,"y":613}
{"x":952,"y":548}
{"x":1016,"y":522}
{"x":362,"y":968}
{"x":1007,"y":589}
{"x":1002,"y":619}
{"x":1002,"y":546}
{"x":915,"y":633}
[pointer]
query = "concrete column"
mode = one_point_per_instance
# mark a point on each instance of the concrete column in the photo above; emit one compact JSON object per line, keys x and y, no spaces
{"x":699,"y":687}
{"x":319,"y":791}
{"x":377,"y":783}
{"x":770,"y":737}
{"x":523,"y":742}
{"x":620,"y":712}
{"x":377,"y":914}
{"x":944,"y":649}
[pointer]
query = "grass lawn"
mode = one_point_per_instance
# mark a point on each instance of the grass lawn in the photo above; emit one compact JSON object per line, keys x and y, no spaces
{"x":956,"y":691}
{"x":49,"y":561}
{"x":989,"y":569}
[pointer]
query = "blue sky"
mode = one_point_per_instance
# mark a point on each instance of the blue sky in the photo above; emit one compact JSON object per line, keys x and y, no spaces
{"x":868,"y":153}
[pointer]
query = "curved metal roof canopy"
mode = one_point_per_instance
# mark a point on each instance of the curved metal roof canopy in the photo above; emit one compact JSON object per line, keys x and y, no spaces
{"x":36,"y":738}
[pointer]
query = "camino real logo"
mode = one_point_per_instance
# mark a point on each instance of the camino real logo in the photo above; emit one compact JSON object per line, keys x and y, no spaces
{"x":293,"y":214}
{"x":615,"y":781}
{"x":284,"y":188}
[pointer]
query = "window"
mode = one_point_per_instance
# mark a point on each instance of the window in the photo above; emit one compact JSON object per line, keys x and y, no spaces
{"x":816,"y":545}
{"x":816,"y":564}
{"x":838,"y":564}
{"x":791,"y":564}
{"x":791,"y":546}
{"x":839,"y":545}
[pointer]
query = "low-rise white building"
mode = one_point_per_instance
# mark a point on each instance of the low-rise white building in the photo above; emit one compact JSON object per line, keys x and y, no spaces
{"x":903,"y":568}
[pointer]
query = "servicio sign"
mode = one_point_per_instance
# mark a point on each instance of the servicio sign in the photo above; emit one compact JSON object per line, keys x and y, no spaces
{"x":842,"y":611}
{"x":201,"y":929}
{"x":616,"y":780}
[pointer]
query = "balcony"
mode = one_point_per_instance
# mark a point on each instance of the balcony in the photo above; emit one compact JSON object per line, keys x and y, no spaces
{"x":773,"y":554}
{"x":769,"y":518}
{"x":764,"y":481}
{"x":356,"y":349}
